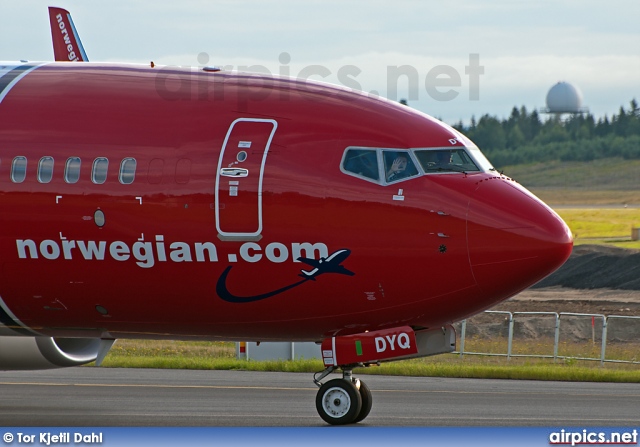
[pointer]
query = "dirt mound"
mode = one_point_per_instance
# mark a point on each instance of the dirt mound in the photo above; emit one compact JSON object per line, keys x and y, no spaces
{"x":597,"y":267}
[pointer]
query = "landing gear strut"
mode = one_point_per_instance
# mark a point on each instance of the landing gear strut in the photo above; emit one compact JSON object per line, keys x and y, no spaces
{"x":342,"y":401}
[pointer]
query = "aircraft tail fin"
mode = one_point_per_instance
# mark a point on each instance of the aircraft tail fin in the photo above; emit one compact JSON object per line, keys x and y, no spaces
{"x":66,"y":42}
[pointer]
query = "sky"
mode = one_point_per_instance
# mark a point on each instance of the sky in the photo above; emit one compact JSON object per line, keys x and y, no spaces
{"x":452,"y":60}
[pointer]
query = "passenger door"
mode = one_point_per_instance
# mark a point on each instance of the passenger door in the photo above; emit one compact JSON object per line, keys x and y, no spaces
{"x":238,"y":195}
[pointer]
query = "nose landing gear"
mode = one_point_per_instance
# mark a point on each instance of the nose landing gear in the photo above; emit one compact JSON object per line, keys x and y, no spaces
{"x":348,"y":400}
{"x":342,"y":401}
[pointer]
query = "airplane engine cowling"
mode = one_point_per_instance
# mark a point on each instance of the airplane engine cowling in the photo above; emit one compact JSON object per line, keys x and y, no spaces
{"x":27,"y":353}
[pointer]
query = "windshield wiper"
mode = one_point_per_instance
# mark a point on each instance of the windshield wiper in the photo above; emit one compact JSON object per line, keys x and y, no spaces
{"x":452,"y":168}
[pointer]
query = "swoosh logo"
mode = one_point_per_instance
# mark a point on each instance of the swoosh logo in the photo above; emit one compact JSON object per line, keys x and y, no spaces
{"x":223,"y":292}
{"x":330,"y":264}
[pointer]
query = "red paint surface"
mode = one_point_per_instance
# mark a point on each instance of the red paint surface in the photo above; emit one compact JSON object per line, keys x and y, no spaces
{"x":499,"y":239}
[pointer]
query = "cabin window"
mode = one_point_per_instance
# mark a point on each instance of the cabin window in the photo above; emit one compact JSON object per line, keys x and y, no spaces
{"x":446,"y":160}
{"x":19,"y":169}
{"x":127,"y":171}
{"x":45,"y":169}
{"x":99,"y":170}
{"x":398,"y":165}
{"x":72,"y":170}
{"x":362,"y":163}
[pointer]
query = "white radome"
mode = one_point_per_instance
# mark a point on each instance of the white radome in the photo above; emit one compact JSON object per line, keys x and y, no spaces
{"x":564,"y":98}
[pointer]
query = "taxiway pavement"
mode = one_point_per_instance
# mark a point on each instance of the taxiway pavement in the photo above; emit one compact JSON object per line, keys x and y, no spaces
{"x":90,"y":396}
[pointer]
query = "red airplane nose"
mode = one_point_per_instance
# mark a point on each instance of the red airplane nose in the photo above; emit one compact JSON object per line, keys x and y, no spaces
{"x":514,"y":239}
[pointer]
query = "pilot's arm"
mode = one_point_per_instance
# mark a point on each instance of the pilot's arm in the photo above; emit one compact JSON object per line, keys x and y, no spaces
{"x":394,"y":169}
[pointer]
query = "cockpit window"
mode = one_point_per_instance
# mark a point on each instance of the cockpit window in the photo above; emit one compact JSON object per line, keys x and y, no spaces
{"x":398,"y":166}
{"x":446,"y":160}
{"x":362,"y":163}
{"x":386,"y":166}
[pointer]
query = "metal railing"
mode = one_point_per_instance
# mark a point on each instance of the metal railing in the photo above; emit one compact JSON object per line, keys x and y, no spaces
{"x":558,"y":318}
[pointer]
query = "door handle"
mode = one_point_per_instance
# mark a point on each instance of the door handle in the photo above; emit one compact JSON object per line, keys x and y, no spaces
{"x":234,"y":172}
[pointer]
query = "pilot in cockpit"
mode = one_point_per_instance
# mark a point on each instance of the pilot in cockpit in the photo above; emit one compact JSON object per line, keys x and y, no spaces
{"x":398,"y":168}
{"x":443,"y":158}
{"x":436,"y":160}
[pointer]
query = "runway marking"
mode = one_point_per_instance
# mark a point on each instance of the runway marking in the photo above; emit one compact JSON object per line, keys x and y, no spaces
{"x":142,"y":385}
{"x":485,"y":393}
{"x":242,"y":387}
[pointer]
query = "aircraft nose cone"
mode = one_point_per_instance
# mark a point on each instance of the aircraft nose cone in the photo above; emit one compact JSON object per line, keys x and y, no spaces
{"x":514,"y":239}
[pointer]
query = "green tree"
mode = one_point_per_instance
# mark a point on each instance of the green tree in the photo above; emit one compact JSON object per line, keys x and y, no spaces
{"x":515,"y":138}
{"x":552,"y":132}
{"x":523,"y":137}
{"x":489,"y":133}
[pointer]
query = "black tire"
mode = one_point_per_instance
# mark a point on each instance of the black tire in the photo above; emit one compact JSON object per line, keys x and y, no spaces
{"x":367,"y":402}
{"x":338,"y":402}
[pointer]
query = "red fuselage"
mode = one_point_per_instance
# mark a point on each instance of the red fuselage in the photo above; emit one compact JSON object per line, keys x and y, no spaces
{"x":179,"y":248}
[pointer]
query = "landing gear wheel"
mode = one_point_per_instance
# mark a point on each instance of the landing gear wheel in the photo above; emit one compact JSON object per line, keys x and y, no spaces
{"x":338,"y":402}
{"x":367,"y":402}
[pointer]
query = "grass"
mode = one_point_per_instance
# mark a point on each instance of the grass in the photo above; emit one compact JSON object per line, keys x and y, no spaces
{"x":611,"y":174}
{"x":601,"y":222}
{"x":605,"y":226}
{"x":591,"y":186}
{"x":557,"y":197}
{"x":507,"y":369}
{"x":221,"y":356}
{"x":612,"y":181}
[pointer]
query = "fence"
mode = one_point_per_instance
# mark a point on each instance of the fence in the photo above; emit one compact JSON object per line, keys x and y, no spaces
{"x":602,"y":320}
